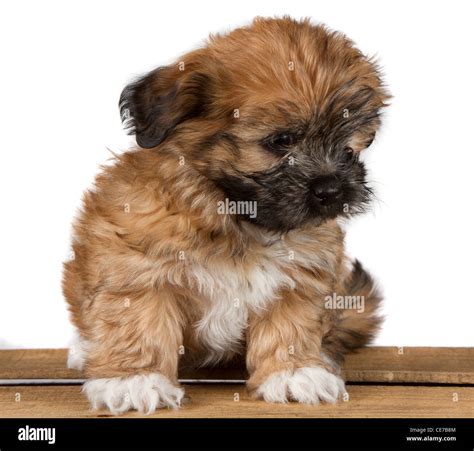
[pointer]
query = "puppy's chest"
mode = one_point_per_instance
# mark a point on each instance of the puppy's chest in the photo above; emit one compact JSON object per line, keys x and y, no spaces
{"x":230,"y":292}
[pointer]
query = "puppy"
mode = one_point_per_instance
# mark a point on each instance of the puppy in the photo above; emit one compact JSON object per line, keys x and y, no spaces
{"x":218,"y":234}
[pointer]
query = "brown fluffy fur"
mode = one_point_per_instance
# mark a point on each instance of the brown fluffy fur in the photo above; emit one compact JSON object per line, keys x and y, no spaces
{"x":152,"y":214}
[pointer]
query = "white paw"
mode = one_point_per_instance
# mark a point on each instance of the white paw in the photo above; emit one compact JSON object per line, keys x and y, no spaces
{"x":78,"y":350}
{"x":308,"y":385}
{"x":144,"y":393}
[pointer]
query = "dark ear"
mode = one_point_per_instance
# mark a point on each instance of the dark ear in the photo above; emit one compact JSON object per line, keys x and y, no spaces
{"x":152,"y":106}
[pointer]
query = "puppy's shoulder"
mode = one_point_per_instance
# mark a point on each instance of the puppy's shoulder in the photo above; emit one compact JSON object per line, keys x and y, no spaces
{"x":126,"y":189}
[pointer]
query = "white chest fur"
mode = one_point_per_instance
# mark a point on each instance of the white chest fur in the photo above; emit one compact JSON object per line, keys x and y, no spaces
{"x":231,"y":294}
{"x":231,"y":290}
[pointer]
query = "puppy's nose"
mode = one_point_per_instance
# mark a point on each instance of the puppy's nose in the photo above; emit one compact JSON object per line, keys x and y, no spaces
{"x":327,"y":190}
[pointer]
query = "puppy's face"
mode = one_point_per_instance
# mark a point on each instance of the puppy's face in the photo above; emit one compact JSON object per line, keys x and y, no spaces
{"x":276,"y":113}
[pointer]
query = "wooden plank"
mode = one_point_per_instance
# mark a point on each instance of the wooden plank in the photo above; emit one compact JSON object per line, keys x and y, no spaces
{"x":374,"y":364}
{"x":412,"y":365}
{"x":35,"y":364}
{"x":213,"y":401}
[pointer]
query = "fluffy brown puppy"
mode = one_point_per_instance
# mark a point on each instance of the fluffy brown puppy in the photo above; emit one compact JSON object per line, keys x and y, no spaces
{"x":218,"y":234}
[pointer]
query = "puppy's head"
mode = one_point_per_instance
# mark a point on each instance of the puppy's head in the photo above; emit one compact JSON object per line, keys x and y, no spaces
{"x":276,"y":113}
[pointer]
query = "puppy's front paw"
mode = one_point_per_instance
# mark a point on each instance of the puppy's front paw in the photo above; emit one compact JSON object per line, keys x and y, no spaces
{"x":308,"y":385}
{"x":144,"y":393}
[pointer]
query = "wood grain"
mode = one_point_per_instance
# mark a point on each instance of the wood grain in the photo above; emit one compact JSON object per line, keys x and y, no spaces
{"x":213,"y":401}
{"x":374,"y":364}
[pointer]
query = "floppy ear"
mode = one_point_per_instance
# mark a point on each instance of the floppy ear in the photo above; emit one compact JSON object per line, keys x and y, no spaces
{"x":152,"y":106}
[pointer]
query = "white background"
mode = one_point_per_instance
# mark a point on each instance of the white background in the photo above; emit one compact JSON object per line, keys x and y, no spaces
{"x":62,"y":68}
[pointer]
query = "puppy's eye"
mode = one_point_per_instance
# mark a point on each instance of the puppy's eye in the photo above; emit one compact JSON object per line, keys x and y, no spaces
{"x":284,"y":140}
{"x":281,"y":142}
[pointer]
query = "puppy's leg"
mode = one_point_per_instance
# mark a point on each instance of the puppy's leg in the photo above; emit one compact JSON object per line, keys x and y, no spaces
{"x":284,"y":354}
{"x":77,"y":354}
{"x":134,"y":342}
